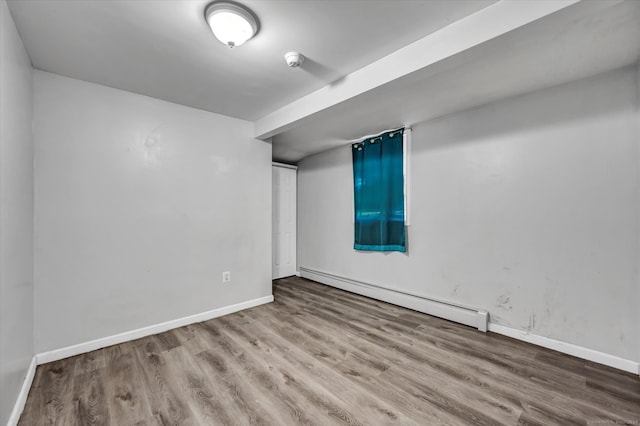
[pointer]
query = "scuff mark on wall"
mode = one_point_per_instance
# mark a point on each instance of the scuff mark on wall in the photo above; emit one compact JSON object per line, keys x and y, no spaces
{"x":504,"y":302}
{"x":451,"y":281}
{"x":151,"y":147}
{"x":497,"y":319}
{"x":532,"y":322}
{"x":551,"y":306}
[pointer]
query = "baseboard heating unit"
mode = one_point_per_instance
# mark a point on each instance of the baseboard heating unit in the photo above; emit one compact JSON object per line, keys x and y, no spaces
{"x":472,"y":317}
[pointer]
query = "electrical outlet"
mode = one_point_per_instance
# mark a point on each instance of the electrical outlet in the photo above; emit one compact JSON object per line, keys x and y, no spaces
{"x":226,"y":277}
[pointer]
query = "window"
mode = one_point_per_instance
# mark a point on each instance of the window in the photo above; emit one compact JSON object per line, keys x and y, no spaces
{"x":378,"y":187}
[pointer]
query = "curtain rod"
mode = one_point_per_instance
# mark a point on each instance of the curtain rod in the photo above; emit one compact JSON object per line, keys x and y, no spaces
{"x":360,"y":139}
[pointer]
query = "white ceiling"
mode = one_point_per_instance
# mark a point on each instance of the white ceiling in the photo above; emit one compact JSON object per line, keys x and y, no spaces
{"x":371,"y":64}
{"x":580,"y":41}
{"x":165,"y":49}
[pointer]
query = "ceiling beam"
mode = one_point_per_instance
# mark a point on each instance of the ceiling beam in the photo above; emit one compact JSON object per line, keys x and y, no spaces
{"x":482,"y":26}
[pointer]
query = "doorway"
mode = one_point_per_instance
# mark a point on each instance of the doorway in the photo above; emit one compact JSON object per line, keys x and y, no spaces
{"x":284,"y":220}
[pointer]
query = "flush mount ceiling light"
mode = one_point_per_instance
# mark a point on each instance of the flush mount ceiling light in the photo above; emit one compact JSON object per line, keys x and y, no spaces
{"x":231,"y":23}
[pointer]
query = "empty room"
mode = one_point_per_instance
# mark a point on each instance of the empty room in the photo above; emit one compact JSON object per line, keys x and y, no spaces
{"x":319,"y":212}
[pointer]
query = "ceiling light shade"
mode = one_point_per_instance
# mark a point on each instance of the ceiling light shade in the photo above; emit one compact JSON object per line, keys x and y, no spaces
{"x":231,"y":23}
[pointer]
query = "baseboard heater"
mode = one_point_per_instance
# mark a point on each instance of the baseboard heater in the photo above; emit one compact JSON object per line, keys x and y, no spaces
{"x":472,"y":317}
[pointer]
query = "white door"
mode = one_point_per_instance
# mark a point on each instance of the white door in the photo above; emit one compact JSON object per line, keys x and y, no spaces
{"x":284,"y":222}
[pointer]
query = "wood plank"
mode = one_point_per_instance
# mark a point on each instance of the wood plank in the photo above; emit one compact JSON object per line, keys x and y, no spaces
{"x":165,"y":400}
{"x":453,"y":382}
{"x":484,"y":378}
{"x":195,"y":388}
{"x":128,"y":403}
{"x":90,"y":361}
{"x":52,"y":405}
{"x":278,"y":346}
{"x":322,"y":356}
{"x":89,"y":402}
{"x":226,"y":355}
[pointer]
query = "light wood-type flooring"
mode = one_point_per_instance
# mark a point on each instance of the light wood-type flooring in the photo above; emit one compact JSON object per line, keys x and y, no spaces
{"x":322,"y":356}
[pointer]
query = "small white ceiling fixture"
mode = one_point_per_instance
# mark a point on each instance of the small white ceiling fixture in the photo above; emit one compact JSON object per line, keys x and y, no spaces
{"x":294,"y":59}
{"x":232,"y":23}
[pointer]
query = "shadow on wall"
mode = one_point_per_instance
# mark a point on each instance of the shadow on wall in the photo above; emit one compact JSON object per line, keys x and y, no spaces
{"x":578,"y":101}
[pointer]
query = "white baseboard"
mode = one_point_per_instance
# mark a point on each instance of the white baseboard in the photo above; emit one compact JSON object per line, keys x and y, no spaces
{"x":18,"y":407}
{"x":465,"y":315}
{"x":568,"y":348}
{"x":57,"y":354}
{"x":453,"y":312}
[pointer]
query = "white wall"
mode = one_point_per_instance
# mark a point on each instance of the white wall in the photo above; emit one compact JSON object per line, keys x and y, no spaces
{"x":140,"y":206}
{"x":527,"y":208}
{"x":16,"y":213}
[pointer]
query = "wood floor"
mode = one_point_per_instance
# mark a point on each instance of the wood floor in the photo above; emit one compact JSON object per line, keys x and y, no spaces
{"x":322,"y":356}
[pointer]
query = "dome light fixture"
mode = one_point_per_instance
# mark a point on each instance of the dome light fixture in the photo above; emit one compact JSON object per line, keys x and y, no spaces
{"x":232,"y":23}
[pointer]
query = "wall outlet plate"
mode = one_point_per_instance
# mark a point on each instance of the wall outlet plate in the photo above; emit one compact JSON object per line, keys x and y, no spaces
{"x":226,"y":277}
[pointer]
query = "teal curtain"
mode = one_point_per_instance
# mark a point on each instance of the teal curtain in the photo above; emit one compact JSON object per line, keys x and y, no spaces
{"x":378,"y":188}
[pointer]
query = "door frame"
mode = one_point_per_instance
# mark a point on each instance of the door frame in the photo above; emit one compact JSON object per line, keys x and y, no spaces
{"x":295,"y":242}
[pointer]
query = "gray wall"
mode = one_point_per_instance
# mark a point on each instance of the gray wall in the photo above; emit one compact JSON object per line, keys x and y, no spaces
{"x":528,"y":208}
{"x":16,"y":213}
{"x":140,"y":206}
